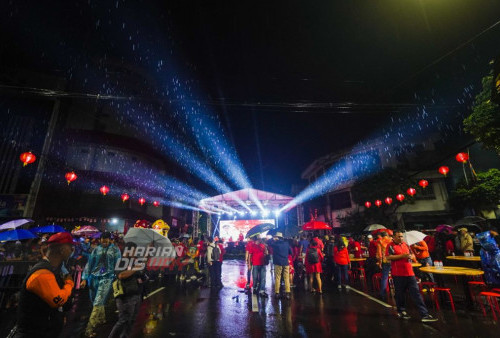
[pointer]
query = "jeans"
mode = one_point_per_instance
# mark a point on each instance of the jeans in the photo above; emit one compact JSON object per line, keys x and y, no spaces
{"x":425,"y":262}
{"x":249,"y":274}
{"x":408,"y":283}
{"x":259,"y":277}
{"x":215,"y":274}
{"x":386,"y":268}
{"x":278,"y":271}
{"x":128,"y":307}
{"x":341,"y":270}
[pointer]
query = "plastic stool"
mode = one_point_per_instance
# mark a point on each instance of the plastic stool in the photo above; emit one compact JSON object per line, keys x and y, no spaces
{"x":476,"y":283}
{"x":448,"y":291}
{"x":430,"y":286}
{"x":491,"y":297}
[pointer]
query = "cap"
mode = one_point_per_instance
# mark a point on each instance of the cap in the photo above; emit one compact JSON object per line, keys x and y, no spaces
{"x":369,"y":236}
{"x":60,"y":238}
{"x":279,"y":234}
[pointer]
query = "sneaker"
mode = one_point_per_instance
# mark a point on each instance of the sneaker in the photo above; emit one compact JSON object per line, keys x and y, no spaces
{"x":263,"y":294}
{"x":404,"y":315}
{"x":339,"y":287}
{"x":428,"y":319}
{"x":347,"y":287}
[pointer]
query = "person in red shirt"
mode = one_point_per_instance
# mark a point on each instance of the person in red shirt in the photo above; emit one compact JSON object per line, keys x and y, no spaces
{"x":342,"y":263}
{"x":314,"y":258}
{"x":400,"y":256}
{"x":258,"y":251}
{"x":371,"y":261}
{"x":422,"y":254}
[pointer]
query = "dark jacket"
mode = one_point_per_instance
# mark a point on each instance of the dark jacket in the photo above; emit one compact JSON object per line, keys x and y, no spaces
{"x":281,"y":250}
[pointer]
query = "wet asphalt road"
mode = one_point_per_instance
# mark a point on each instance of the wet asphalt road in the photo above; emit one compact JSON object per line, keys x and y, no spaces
{"x":175,"y":311}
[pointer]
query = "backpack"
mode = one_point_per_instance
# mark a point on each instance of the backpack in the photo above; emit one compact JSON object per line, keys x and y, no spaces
{"x":329,"y":249}
{"x":216,"y":253}
{"x":312,"y":256}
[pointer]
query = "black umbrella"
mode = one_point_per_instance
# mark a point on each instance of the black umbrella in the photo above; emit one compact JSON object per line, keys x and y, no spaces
{"x":258,"y":229}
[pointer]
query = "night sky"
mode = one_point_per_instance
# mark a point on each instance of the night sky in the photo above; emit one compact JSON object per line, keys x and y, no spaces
{"x":288,"y":80}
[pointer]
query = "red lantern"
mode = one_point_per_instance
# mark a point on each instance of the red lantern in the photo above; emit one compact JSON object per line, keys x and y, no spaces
{"x":444,"y":170}
{"x":125,"y":197}
{"x":400,"y":197}
{"x":378,"y":203}
{"x":462,"y":157}
{"x":104,"y":190}
{"x":142,"y":201}
{"x":368,"y":204}
{"x":27,"y":158}
{"x":411,"y":192}
{"x":70,"y":176}
{"x":388,"y":200}
{"x":156,"y":203}
{"x":423,"y":183}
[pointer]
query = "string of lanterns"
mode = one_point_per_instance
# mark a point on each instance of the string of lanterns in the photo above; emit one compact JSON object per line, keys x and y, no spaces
{"x":29,"y":158}
{"x":443,"y":170}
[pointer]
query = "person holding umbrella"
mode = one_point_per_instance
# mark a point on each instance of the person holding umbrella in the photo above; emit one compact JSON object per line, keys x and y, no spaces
{"x":99,"y":274}
{"x":258,"y":252}
{"x":400,"y":256}
{"x":45,"y":291}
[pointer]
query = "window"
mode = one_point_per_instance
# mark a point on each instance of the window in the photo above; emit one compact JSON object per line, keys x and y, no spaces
{"x":426,"y":194}
{"x":341,"y":200}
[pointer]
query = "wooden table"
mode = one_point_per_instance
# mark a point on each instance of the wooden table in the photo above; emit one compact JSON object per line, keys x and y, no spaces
{"x":465,"y":258}
{"x":455,"y":271}
{"x":358,"y":259}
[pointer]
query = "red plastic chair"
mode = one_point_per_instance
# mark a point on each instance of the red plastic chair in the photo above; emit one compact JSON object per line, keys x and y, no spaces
{"x":491,"y":297}
{"x":436,"y":298}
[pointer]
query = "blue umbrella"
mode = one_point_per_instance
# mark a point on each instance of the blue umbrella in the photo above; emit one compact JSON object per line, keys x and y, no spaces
{"x":16,"y":235}
{"x":48,"y":229}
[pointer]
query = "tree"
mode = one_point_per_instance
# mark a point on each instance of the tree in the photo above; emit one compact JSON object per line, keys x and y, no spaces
{"x":481,"y":194}
{"x":484,"y":122}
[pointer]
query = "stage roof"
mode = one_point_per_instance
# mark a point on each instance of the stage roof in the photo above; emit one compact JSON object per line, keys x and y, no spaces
{"x":248,"y":196}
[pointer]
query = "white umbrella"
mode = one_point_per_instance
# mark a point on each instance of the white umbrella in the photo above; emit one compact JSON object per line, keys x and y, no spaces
{"x":15,"y":224}
{"x":412,"y":237}
{"x":374,"y":227}
{"x":147,"y":237}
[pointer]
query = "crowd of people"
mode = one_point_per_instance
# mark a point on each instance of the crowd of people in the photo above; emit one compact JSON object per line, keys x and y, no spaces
{"x":306,"y":262}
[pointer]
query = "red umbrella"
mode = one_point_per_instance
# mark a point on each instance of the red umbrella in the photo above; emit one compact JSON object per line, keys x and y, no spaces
{"x":316,"y":225}
{"x":388,"y":231}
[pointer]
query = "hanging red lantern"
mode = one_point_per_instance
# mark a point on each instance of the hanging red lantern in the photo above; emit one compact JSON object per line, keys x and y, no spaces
{"x":368,"y":204}
{"x":423,"y":183}
{"x":142,"y":201}
{"x":411,"y":192}
{"x":104,"y":190}
{"x":378,"y":203}
{"x":156,"y":203}
{"x":70,"y":176}
{"x":400,"y":197}
{"x":27,"y":158}
{"x":388,"y":200}
{"x":125,"y":197}
{"x":462,"y":157}
{"x":444,"y":170}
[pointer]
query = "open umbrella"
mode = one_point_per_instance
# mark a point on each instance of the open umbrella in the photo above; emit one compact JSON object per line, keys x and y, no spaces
{"x":444,"y":228}
{"x":412,"y":237}
{"x":15,"y":224}
{"x":388,"y":231}
{"x":470,"y":220}
{"x":16,"y":235}
{"x":373,"y":227}
{"x":259,"y":229}
{"x":85,"y":230}
{"x":316,"y":225}
{"x":47,"y":229}
{"x":144,"y":237}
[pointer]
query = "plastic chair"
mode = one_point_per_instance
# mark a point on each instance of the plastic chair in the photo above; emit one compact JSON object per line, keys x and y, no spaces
{"x":491,"y":297}
{"x":436,"y":298}
{"x":430,"y":286}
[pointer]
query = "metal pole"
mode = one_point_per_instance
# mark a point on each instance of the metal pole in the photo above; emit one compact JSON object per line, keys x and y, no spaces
{"x":37,"y":181}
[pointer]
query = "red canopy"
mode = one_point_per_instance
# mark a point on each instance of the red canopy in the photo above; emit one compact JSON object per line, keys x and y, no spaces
{"x":316,"y":225}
